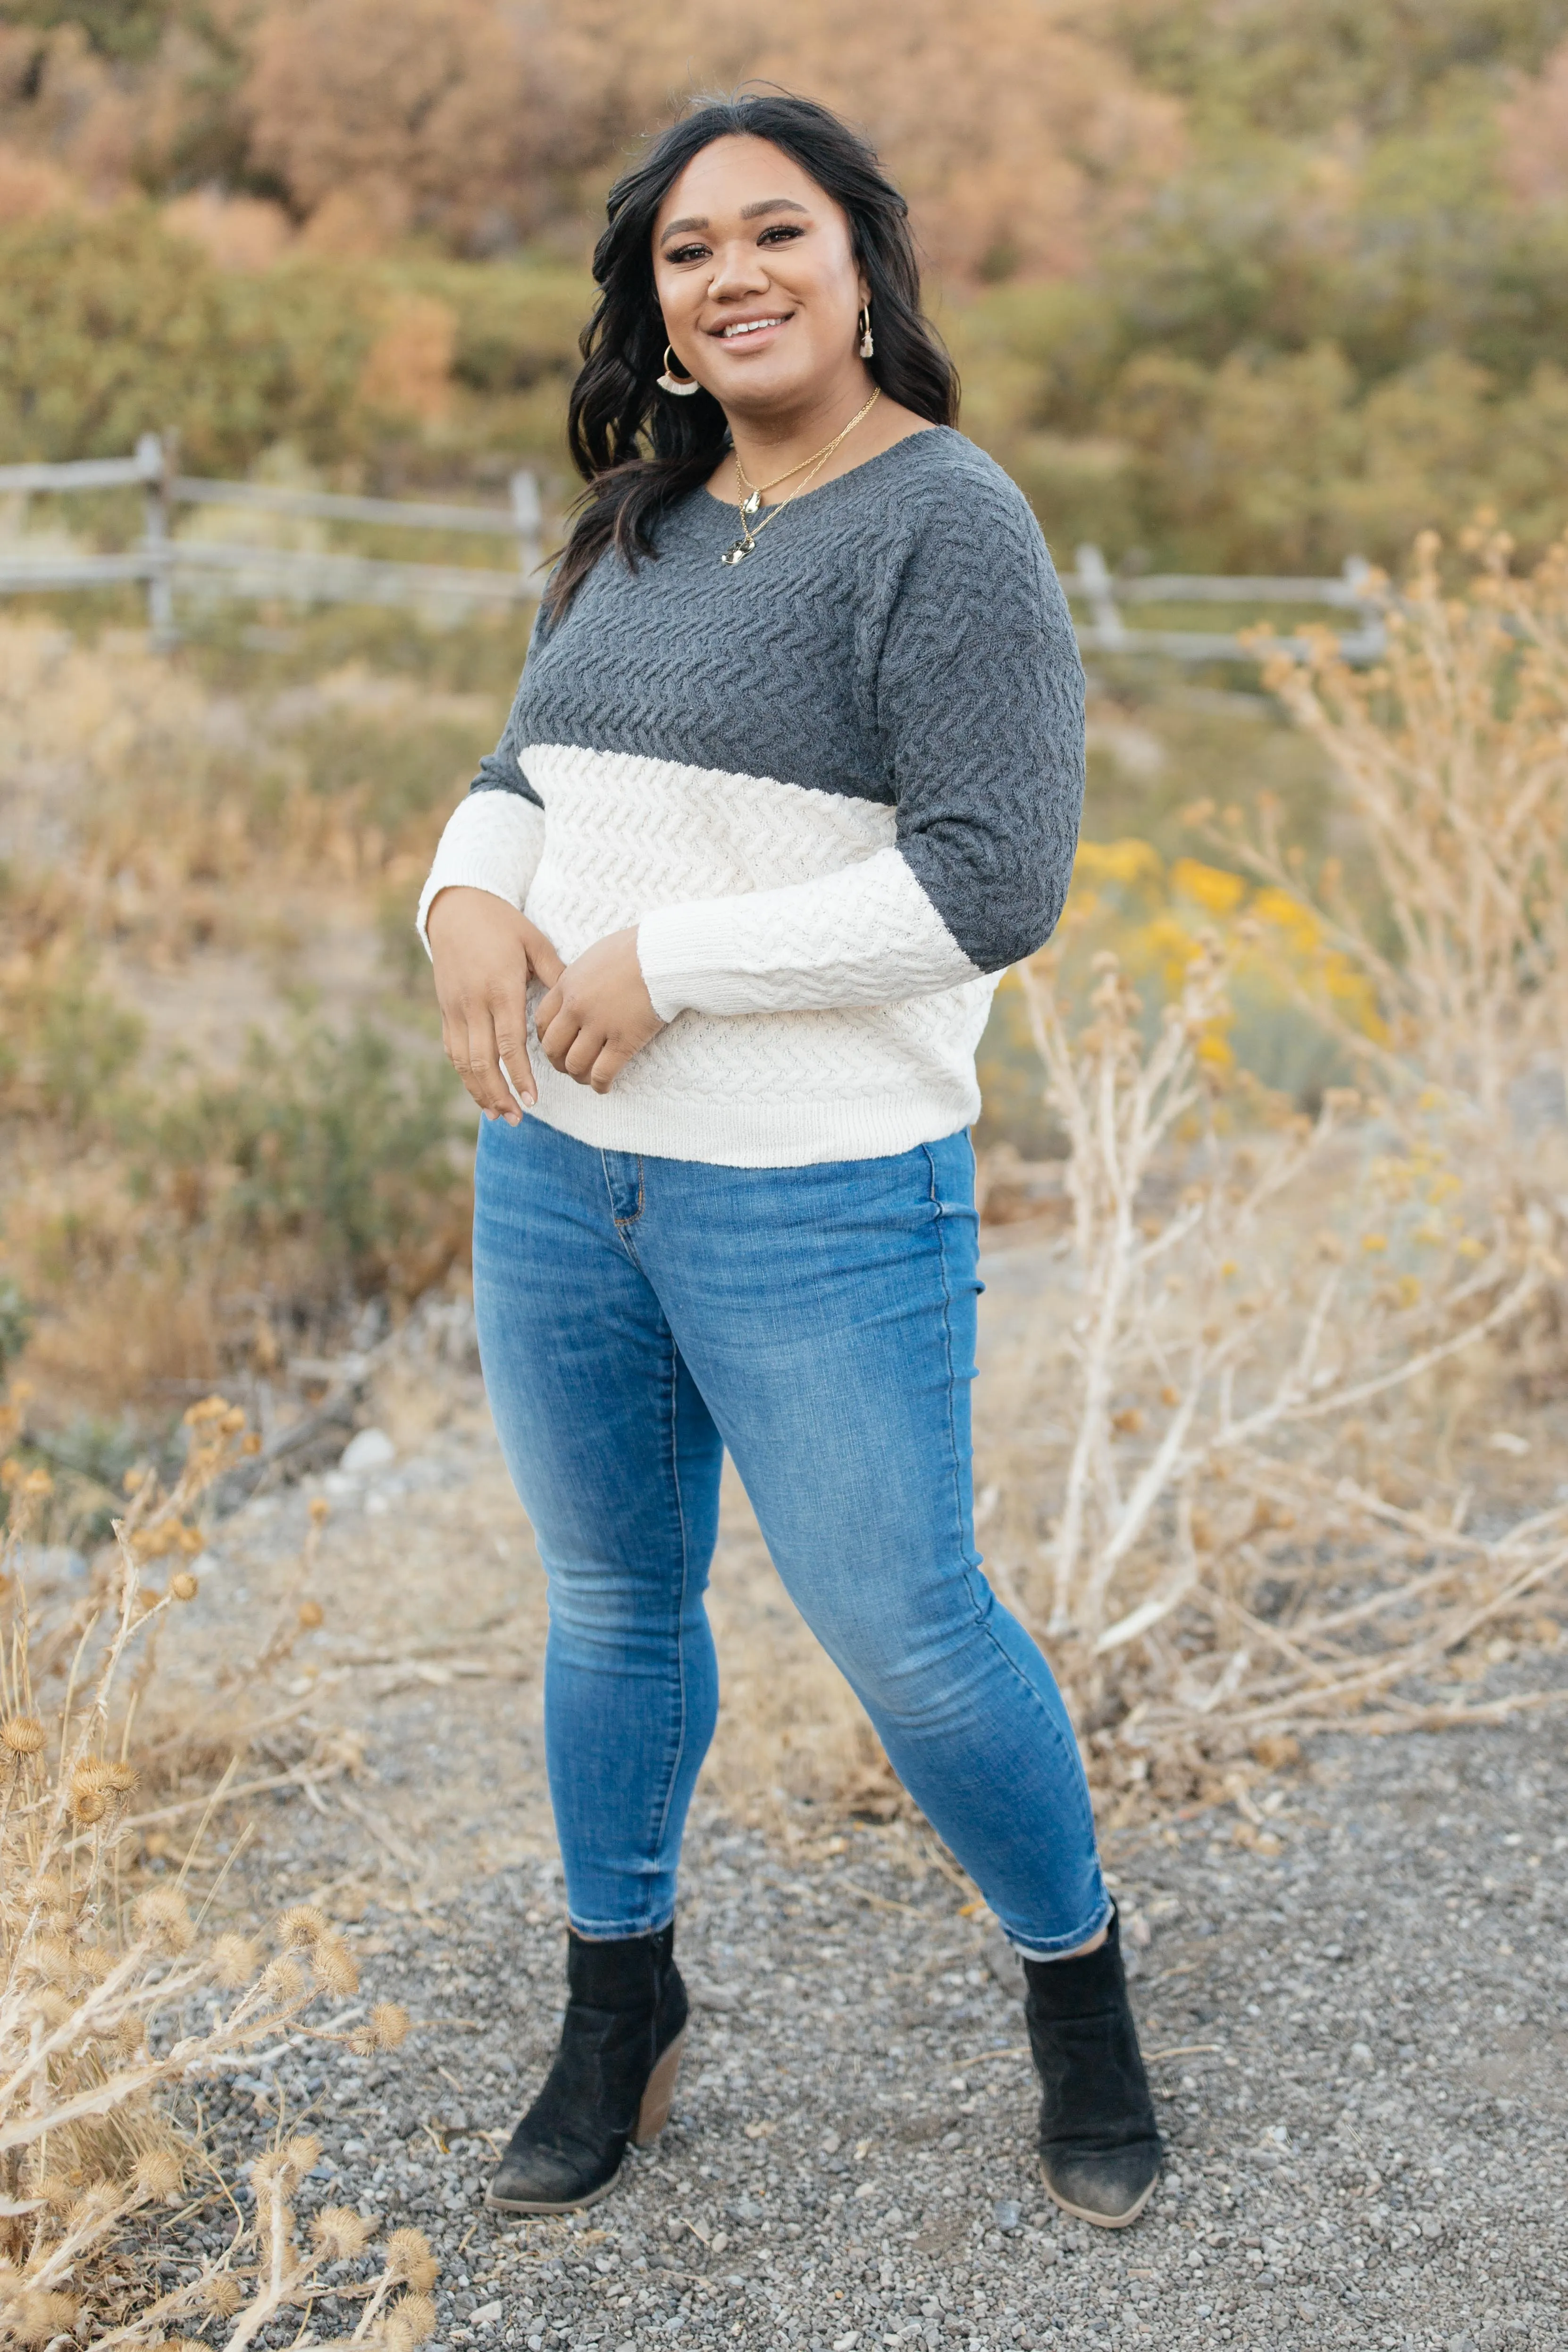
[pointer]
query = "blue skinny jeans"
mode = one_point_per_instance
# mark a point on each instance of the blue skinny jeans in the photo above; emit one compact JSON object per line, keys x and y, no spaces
{"x":638,"y":1315}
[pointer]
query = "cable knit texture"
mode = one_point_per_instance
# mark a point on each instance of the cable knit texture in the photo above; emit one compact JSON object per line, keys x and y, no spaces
{"x":836,"y":789}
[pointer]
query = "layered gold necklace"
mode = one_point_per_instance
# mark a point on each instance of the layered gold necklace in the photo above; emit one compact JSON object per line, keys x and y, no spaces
{"x":752,"y":493}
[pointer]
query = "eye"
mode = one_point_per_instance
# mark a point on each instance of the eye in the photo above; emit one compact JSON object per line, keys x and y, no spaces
{"x":679,"y":253}
{"x":784,"y":232}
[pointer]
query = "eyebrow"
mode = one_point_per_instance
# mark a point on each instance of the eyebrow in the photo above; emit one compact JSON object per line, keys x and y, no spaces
{"x":748,"y":212}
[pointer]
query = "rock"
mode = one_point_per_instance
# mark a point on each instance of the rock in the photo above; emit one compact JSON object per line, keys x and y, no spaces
{"x":1008,"y":2213}
{"x":372,"y":1449}
{"x":1005,"y":1965}
{"x":721,"y":1999}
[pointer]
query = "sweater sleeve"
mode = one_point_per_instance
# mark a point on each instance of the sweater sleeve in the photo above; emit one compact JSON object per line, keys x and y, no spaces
{"x":978,"y":695}
{"x":494,"y":839}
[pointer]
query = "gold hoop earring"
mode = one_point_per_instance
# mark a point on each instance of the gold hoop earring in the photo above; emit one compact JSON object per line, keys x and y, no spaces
{"x":682,"y":386}
{"x":868,"y":347}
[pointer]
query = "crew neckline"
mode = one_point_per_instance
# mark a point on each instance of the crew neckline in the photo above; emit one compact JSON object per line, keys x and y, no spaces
{"x":925,"y":433}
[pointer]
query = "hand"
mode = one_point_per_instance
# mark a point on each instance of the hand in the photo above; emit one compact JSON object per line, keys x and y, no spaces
{"x":484,"y":954}
{"x":599,"y":1012}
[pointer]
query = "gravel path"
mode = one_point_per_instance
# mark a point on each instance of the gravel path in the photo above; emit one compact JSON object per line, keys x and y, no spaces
{"x":1358,"y":2026}
{"x":1363,"y":2081}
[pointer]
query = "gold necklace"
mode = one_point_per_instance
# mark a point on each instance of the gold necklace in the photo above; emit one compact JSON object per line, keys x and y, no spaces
{"x":752,"y":500}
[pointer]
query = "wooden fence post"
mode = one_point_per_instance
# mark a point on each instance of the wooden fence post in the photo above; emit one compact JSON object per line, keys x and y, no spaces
{"x":156,"y":457}
{"x":1101,"y":595}
{"x":528,"y":518}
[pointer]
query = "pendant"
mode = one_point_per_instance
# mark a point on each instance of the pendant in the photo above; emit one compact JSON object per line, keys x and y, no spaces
{"x":739,"y":552}
{"x":751,"y":505}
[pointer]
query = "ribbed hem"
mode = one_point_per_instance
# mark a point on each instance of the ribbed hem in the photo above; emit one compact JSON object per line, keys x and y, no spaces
{"x":765,"y":1132}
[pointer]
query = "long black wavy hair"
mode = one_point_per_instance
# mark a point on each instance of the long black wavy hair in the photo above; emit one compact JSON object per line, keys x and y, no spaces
{"x":637,"y":449}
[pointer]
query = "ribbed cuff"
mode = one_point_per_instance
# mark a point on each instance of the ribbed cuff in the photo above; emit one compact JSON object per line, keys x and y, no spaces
{"x":493,"y":841}
{"x":689,"y":956}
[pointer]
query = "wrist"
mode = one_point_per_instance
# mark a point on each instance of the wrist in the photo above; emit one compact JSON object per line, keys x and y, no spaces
{"x":454,"y":901}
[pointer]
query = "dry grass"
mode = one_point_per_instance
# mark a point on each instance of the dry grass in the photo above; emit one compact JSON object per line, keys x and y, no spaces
{"x":115,"y":1999}
{"x":193,"y":987}
{"x":1450,"y":754}
{"x":1247,"y":1523}
{"x":1253,"y":1467}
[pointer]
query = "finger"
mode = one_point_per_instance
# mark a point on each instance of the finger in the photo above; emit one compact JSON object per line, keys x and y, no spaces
{"x":559,"y":1037}
{"x":480,"y":1070}
{"x":549,"y":1010}
{"x":522,"y":1087}
{"x":542,"y":959}
{"x":455,"y":1045}
{"x":607,"y":1068}
{"x":510,"y":1024}
{"x":583,"y":1052}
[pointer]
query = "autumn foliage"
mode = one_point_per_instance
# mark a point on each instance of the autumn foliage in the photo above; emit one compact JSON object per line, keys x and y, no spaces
{"x":1232,"y":288}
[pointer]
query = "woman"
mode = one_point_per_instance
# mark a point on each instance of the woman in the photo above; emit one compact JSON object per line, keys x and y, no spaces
{"x":794,"y":769}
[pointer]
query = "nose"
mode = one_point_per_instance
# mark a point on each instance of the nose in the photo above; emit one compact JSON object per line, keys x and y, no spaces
{"x":738,"y":271}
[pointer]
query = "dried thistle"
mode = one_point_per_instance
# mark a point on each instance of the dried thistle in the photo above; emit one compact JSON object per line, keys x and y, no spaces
{"x":409,"y":2258}
{"x":159,"y":2174}
{"x":335,"y":1968}
{"x":163,"y":1916}
{"x":236,"y":1960}
{"x":87,"y":2155}
{"x":341,"y":2232}
{"x":412,"y":2323}
{"x":302,"y":1926}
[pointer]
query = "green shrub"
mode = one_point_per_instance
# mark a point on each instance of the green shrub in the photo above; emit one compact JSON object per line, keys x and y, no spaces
{"x":340,"y":1155}
{"x":110,"y":328}
{"x":15,"y":1322}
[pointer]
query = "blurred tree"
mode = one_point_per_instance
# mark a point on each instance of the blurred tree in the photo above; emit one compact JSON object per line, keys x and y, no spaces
{"x":116,"y":29}
{"x":419,"y":107}
{"x":1536,"y":135}
{"x":1317,"y":65}
{"x":109,"y":326}
{"x":1016,"y":131}
{"x":1228,"y":283}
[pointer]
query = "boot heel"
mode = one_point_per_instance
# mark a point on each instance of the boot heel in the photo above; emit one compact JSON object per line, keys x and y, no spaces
{"x":659,"y":2096}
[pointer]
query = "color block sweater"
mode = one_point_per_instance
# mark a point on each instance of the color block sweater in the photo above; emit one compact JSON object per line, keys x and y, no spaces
{"x":836,"y":789}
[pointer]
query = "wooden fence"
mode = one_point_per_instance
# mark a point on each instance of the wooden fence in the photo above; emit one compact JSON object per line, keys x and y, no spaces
{"x":162,"y":563}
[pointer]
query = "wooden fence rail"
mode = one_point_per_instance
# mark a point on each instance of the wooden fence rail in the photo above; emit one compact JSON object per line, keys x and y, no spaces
{"x":1105,"y":594}
{"x":161,"y":561}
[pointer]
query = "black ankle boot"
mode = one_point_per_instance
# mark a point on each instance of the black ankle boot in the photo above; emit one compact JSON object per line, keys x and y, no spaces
{"x":1100,"y":2144}
{"x":613,"y":2079}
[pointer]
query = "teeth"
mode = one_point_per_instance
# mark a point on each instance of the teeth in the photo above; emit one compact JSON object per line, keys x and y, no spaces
{"x":750,"y":327}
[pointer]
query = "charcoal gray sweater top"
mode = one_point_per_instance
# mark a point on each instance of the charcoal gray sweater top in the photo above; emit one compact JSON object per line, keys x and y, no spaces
{"x":836,"y":788}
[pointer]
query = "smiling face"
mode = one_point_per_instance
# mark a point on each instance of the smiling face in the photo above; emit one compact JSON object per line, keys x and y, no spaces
{"x":755,"y":272}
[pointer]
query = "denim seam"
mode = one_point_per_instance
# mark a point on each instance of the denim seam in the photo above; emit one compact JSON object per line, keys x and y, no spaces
{"x":935,"y":1197}
{"x":1052,"y":1728}
{"x":623,"y":1226}
{"x":674,"y":1429}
